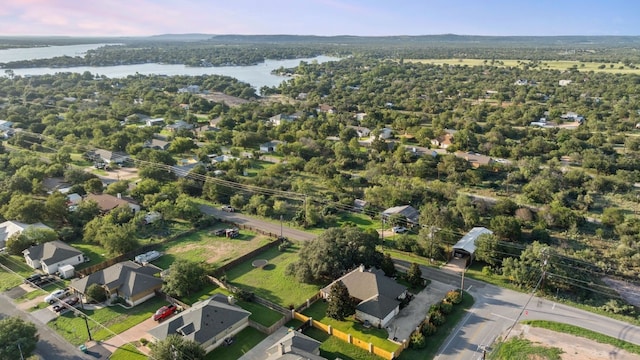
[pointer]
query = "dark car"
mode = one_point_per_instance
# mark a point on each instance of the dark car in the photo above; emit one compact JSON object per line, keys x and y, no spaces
{"x":32,"y":278}
{"x":44,"y":280}
{"x":164,"y":312}
{"x":66,"y":303}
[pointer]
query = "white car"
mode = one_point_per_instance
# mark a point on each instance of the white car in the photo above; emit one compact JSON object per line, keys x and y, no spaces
{"x":55,"y":296}
{"x":399,"y":229}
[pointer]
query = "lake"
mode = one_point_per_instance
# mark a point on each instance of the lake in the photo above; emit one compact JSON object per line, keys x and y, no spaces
{"x":255,"y":75}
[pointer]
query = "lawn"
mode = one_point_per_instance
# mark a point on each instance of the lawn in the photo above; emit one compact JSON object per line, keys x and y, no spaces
{"x":377,"y":337}
{"x":244,"y":341}
{"x":271,"y":283}
{"x":37,"y":292}
{"x":436,"y":340}
{"x":116,"y":318}
{"x":96,"y":253}
{"x":334,"y":348}
{"x":362,"y":221}
{"x":18,"y":271}
{"x":516,"y":348}
{"x":127,"y":352}
{"x":203,"y":245}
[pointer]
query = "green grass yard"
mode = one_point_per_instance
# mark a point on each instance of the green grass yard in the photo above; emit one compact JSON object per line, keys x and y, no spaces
{"x":334,"y":348}
{"x":244,"y":341}
{"x":96,"y":253}
{"x":204,"y":246}
{"x":127,"y":352}
{"x":115,"y":318}
{"x":271,"y":282}
{"x":377,"y":337}
{"x":18,"y":271}
{"x":517,"y":348}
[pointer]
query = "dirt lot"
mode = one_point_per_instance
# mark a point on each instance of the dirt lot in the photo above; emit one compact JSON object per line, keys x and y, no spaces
{"x":227,"y":99}
{"x":574,"y":347}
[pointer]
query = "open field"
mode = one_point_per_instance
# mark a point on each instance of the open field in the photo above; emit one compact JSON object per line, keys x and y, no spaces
{"x":544,"y":65}
{"x":271,"y":282}
{"x":206,"y":246}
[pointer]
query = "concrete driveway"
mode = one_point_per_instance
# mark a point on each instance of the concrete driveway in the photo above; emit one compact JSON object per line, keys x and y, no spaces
{"x":134,"y":334}
{"x":411,"y":316}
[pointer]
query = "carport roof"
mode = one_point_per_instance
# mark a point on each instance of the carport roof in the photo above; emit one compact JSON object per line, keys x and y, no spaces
{"x":468,"y":241}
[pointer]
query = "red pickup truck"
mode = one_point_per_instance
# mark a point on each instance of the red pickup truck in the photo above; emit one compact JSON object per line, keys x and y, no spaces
{"x":164,"y":312}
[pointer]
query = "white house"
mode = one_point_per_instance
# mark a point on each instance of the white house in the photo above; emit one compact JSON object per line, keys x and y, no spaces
{"x":154,"y":122}
{"x":10,"y":228}
{"x":51,"y":255}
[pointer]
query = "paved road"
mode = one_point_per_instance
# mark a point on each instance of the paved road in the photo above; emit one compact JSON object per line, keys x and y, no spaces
{"x":267,"y":226}
{"x":51,"y":345}
{"x":496,"y":309}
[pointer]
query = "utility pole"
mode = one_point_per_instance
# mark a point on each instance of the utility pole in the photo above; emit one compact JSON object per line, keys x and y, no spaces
{"x":86,"y":322}
{"x":20,"y":349}
{"x":462,"y":283}
{"x":281,"y":236}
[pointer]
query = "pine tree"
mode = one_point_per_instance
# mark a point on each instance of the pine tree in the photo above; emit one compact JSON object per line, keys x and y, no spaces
{"x":340,"y":304}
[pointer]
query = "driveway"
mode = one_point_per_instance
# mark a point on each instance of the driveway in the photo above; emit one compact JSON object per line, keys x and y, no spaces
{"x":134,"y":334}
{"x":259,"y":352}
{"x":411,"y":316}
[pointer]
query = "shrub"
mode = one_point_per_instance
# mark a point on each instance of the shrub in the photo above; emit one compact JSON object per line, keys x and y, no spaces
{"x":429,"y":329}
{"x":144,"y":341}
{"x":446,"y":307}
{"x":418,"y":341}
{"x":487,"y":270}
{"x":434,"y":308}
{"x":245,"y":295}
{"x":437,"y":318}
{"x":95,"y":293}
{"x":454,"y":296}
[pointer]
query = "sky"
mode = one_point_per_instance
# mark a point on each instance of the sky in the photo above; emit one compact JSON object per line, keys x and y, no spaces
{"x":319,"y":17}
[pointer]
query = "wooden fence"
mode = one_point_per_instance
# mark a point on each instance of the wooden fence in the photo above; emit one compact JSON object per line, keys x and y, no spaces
{"x":271,"y":329}
{"x":310,"y":301}
{"x":367,"y":346}
{"x":171,"y":299}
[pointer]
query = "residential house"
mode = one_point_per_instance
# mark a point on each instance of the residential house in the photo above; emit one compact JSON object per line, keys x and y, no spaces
{"x":326,"y":108}
{"x":10,"y":228}
{"x":361,"y":131}
{"x":445,"y":140}
{"x":51,"y":255}
{"x":476,"y":160}
{"x":360,"y":116}
{"x":270,"y":146}
{"x":409,"y":212}
{"x":378,"y":296}
{"x":191,"y":89}
{"x":276,"y":120}
{"x":5,"y":124}
{"x":154,"y":122}
{"x":108,"y":202}
{"x":572,"y":116}
{"x":109,"y":157}
{"x":157,"y":144}
{"x":136,"y":118}
{"x":73,"y":199}
{"x":52,"y":184}
{"x":384,"y":134}
{"x":295,"y":346}
{"x":179,"y":125}
{"x":208,"y":322}
{"x":466,"y":246}
{"x":359,"y":205}
{"x":215,"y":158}
{"x":132,"y":282}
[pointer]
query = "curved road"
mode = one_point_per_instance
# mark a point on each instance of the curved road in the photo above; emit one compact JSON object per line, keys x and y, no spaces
{"x":266,"y":226}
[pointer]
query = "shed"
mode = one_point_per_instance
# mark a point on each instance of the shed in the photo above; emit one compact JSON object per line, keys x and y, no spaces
{"x":67,"y":271}
{"x":466,"y":246}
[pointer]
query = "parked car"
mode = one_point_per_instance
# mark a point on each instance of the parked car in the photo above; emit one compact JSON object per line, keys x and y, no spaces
{"x":164,"y":312}
{"x":43,"y":280}
{"x":72,"y":301}
{"x":220,"y":232}
{"x":56,"y":295}
{"x":227,"y":208}
{"x":32,"y":278}
{"x":399,"y":229}
{"x":232,"y":233}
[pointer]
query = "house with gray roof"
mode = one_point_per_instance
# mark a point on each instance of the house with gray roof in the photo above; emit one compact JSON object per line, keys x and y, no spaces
{"x":378,"y":296}
{"x":116,"y":157}
{"x":208,"y":322}
{"x":51,"y":255}
{"x":128,"y":280}
{"x":10,"y":228}
{"x":295,"y":346}
{"x":157,"y":144}
{"x":409,"y":212}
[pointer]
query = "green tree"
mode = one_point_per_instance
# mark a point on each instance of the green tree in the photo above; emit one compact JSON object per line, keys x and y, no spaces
{"x":184,"y":278}
{"x":340,"y":304}
{"x":387,"y":265}
{"x":95,"y":292}
{"x":30,"y":236}
{"x":56,"y":208}
{"x":176,"y":347}
{"x":17,"y":338}
{"x":487,"y":249}
{"x":24,"y":208}
{"x":414,"y":275}
{"x":335,"y":251}
{"x":506,"y":227}
{"x":93,"y":186}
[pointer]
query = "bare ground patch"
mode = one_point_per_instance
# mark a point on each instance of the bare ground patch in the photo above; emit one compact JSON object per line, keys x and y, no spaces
{"x":574,"y":347}
{"x":630,"y":292}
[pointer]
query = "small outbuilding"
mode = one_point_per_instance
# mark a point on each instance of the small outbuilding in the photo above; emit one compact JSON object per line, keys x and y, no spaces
{"x":466,"y":246}
{"x":67,"y":271}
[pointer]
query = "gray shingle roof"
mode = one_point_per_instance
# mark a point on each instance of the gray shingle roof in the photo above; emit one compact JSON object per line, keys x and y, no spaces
{"x":128,"y":277}
{"x":407,"y":211}
{"x":202,"y":322}
{"x":296,"y":345}
{"x":378,"y":306}
{"x":52,"y":252}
